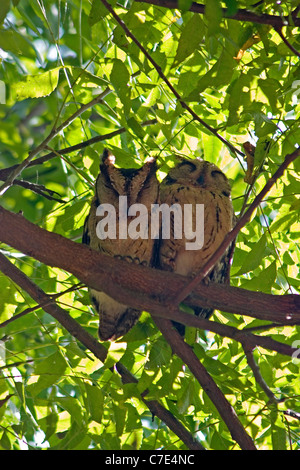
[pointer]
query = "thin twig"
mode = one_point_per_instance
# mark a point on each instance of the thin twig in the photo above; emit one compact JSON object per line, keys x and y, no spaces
{"x":39,"y":189}
{"x":51,"y":297}
{"x":166,"y":80}
{"x":5,"y":172}
{"x":91,"y":343}
{"x":247,"y":339}
{"x":257,"y":375}
{"x":286,"y":42}
{"x":293,"y":414}
{"x":18,"y":170}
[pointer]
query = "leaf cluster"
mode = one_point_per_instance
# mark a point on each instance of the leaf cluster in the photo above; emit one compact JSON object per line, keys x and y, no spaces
{"x":242,"y":80}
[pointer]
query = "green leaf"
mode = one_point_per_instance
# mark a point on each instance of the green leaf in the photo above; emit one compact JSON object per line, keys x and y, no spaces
{"x":97,"y":12}
{"x":114,"y":354}
{"x":7,"y":292}
{"x":190,"y":38}
{"x":261,"y":151}
{"x":49,"y":371}
{"x":5,"y":443}
{"x":71,"y":405}
{"x":270,"y":87}
{"x":254,"y":257}
{"x":278,"y":437}
{"x":4,"y":9}
{"x":48,"y":424}
{"x":136,"y":128}
{"x":160,"y":354}
{"x":119,"y":78}
{"x":120,"y":413}
{"x":263,"y":281}
{"x":213,"y":15}
{"x":133,"y":419}
{"x":235,"y":92}
{"x":15,"y":43}
{"x":85,"y":79}
{"x":35,"y":86}
{"x":232,"y":7}
{"x":185,"y":5}
{"x":186,"y":398}
{"x":219,"y":74}
{"x":95,"y":402}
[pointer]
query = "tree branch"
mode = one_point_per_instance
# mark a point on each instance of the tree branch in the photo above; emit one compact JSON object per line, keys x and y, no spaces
{"x":226,"y":411}
{"x":248,"y":340}
{"x":240,"y":15}
{"x":76,"y":330}
{"x":257,"y":375}
{"x":286,"y":42}
{"x":136,"y":285}
{"x":19,"y":168}
{"x":5,"y":172}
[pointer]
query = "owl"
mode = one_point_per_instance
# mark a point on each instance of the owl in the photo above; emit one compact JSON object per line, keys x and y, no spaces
{"x":188,"y":184}
{"x":135,"y":186}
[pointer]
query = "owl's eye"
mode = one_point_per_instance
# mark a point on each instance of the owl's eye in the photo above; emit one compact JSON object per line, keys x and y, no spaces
{"x":214,"y":173}
{"x":168,"y":180}
{"x":191,"y":165}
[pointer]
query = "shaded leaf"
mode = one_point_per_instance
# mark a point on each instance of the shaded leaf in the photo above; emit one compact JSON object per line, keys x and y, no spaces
{"x":190,"y":38}
{"x":95,"y":402}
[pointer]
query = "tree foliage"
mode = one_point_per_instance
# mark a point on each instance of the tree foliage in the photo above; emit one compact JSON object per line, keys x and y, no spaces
{"x":218,"y":81}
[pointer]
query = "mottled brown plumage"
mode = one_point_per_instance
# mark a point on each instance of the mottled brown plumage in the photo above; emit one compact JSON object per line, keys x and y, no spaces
{"x":140,"y":186}
{"x":198,"y":182}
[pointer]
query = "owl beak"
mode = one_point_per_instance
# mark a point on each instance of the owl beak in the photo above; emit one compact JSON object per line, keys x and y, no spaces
{"x":201,"y":180}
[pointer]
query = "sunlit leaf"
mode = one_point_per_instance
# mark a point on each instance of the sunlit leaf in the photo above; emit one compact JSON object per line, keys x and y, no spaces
{"x":169,"y":72}
{"x":35,"y":86}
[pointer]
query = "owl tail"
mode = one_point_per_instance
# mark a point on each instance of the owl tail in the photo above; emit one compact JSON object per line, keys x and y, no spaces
{"x":115,"y":319}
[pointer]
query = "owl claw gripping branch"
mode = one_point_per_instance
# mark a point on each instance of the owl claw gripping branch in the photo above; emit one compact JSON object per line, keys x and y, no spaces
{"x":190,"y":183}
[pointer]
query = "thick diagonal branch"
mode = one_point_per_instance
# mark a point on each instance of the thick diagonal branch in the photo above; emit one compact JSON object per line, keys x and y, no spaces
{"x":186,"y":353}
{"x":135,"y":285}
{"x":76,"y":330}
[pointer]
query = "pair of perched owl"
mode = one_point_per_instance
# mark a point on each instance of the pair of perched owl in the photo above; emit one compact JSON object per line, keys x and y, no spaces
{"x":193,"y":182}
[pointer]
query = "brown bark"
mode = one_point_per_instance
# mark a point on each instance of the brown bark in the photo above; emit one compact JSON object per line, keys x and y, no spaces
{"x":226,"y":411}
{"x":240,"y":15}
{"x":91,"y":343}
{"x":138,"y":286}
